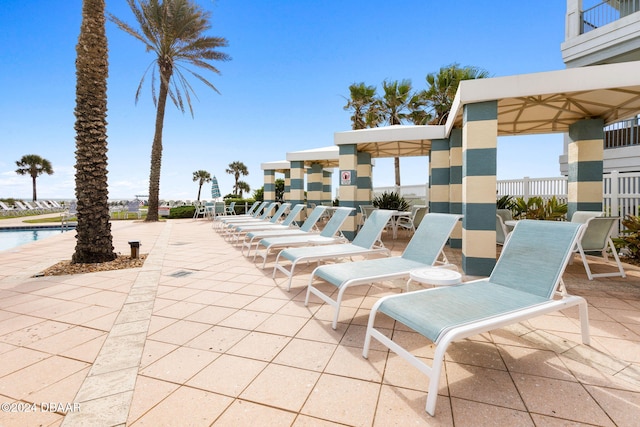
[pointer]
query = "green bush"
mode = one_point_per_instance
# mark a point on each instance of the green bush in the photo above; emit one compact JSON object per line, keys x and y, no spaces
{"x":182,"y":212}
{"x":537,"y":208}
{"x":391,"y":200}
{"x":630,"y":237}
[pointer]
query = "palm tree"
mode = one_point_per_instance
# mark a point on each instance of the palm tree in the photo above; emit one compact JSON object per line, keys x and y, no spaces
{"x":394,"y":106}
{"x":442,"y":87}
{"x":242,"y":186}
{"x":174,"y":31}
{"x":201,"y":176}
{"x":34,"y":166}
{"x":363,"y":104}
{"x":94,"y":242}
{"x":237,"y":169}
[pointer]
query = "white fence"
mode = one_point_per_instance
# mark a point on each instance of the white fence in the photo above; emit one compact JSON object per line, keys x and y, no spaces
{"x":621,"y":191}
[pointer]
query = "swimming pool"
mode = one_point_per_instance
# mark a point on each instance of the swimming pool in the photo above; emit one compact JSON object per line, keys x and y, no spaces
{"x":16,"y":236}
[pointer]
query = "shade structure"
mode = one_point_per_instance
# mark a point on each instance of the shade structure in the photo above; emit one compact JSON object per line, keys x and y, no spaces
{"x":215,"y":190}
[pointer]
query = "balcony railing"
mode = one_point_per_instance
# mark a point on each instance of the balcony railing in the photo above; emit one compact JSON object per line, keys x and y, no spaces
{"x":622,"y":134}
{"x":605,"y":13}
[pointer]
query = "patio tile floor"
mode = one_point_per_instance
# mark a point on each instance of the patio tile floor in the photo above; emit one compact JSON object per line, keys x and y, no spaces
{"x":201,"y":336}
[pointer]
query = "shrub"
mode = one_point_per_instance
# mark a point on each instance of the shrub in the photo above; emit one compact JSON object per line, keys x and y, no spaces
{"x":537,"y":208}
{"x":391,"y":200}
{"x":182,"y":212}
{"x":630,"y":237}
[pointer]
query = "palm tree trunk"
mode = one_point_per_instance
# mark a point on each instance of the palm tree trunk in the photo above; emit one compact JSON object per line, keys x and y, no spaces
{"x":156,"y":150}
{"x":94,"y":242}
{"x":396,"y":162}
{"x":35,"y":196}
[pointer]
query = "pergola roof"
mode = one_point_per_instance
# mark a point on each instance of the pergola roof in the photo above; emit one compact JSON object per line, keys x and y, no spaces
{"x":328,"y":157}
{"x":280,"y":166}
{"x":551,"y":101}
{"x":392,"y":141}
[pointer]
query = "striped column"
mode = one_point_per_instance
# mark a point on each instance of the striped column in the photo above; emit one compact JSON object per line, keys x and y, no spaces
{"x":314,"y":184}
{"x":479,"y":146}
{"x":585,"y":154}
{"x":348,"y":191}
{"x":455,"y":184}
{"x":297,"y":183}
{"x":439,"y":176}
{"x":287,"y":185}
{"x":327,"y":186}
{"x":269,"y":186}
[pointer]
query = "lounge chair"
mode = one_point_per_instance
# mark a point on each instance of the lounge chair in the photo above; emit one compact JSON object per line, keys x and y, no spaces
{"x":233,"y":227}
{"x":231,"y":209}
{"x":286,"y":224}
{"x":253,"y":212}
{"x":7,"y":210}
{"x":330,"y":234}
{"x":524,"y":284}
{"x":411,"y":222}
{"x":425,"y":249}
{"x":308,"y":227}
{"x":597,"y":238}
{"x":258,"y":215}
{"x":367,"y":242}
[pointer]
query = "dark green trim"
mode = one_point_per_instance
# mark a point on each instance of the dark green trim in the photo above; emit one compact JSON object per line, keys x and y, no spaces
{"x":479,"y":111}
{"x":455,"y":243}
{"x":587,"y":129}
{"x":479,"y":162}
{"x":363,"y":158}
{"x":439,"y":207}
{"x":479,"y":216}
{"x":439,"y":176}
{"x":589,"y":171}
{"x":297,"y":184}
{"x":350,"y":149}
{"x":270,"y":187}
{"x":314,"y":186}
{"x":269,"y":172}
{"x":478,"y":266}
{"x":455,"y":174}
{"x":455,"y":138}
{"x":455,"y":207}
{"x":363,"y":182}
{"x":440,"y":145}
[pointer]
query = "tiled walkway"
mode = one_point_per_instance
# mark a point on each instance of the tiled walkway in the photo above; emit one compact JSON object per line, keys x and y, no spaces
{"x":201,"y":336}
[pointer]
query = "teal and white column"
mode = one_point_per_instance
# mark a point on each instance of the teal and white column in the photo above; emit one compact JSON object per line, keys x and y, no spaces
{"x":585,"y":155}
{"x":297,"y":183}
{"x":455,"y":184}
{"x":314,"y":184}
{"x":269,"y":185}
{"x":439,"y":176}
{"x":287,"y":185}
{"x":355,"y":184}
{"x":479,"y":148}
{"x":327,"y":186}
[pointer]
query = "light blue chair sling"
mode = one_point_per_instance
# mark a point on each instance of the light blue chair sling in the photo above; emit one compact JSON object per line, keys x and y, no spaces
{"x":272,"y":224}
{"x":235,"y":229}
{"x":309,"y":226}
{"x":424,"y":250}
{"x":329,"y":234}
{"x":367,"y":242}
{"x":525,"y":283}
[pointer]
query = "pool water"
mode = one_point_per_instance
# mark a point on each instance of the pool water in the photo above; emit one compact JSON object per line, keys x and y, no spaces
{"x":12,"y":238}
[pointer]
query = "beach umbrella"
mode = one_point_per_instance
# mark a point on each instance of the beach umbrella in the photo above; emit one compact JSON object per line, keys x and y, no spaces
{"x":215,"y":190}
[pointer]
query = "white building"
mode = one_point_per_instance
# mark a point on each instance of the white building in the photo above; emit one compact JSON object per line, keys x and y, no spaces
{"x":605,"y":32}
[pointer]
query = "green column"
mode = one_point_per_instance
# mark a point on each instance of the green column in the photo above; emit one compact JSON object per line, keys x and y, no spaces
{"x":269,"y":186}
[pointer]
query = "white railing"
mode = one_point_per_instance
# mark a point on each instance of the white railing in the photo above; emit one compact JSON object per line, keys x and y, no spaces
{"x":621,"y":191}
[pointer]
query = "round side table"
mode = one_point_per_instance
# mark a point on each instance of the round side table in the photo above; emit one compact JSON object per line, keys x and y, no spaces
{"x":435,"y":276}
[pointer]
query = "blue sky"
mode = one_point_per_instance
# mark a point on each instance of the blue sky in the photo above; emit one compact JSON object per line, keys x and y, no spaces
{"x":284,"y":89}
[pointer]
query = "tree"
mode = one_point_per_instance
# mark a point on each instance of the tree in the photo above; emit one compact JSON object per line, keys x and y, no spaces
{"x":201,"y":176}
{"x":442,"y":88}
{"x":34,"y":166}
{"x":237,"y":169}
{"x":94,"y":242}
{"x":394,"y":106}
{"x":174,"y":31}
{"x":363,"y":105}
{"x":242,"y":186}
{"x":279,"y":184}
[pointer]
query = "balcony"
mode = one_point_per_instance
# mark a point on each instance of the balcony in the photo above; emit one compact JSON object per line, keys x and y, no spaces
{"x":604,"y":33}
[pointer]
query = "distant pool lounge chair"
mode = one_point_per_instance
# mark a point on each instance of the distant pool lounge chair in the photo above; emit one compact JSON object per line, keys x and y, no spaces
{"x":309,"y":226}
{"x":286,"y":224}
{"x":525,"y":283}
{"x":330,"y":234}
{"x":366,"y":243}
